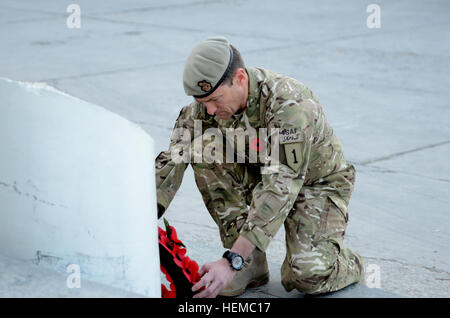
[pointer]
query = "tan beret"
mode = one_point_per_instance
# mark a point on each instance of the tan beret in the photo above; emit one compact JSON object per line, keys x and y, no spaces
{"x":206,"y":66}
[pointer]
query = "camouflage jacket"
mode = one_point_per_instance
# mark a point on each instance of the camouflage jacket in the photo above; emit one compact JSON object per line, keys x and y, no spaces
{"x":310,"y":155}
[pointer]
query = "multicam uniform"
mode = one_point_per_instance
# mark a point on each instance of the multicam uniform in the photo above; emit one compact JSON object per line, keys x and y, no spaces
{"x":308,"y":192}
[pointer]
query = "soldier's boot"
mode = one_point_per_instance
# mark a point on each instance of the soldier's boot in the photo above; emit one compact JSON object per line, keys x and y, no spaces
{"x":255,"y":273}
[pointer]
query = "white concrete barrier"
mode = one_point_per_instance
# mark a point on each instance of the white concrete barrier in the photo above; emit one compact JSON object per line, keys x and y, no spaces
{"x":77,"y":186}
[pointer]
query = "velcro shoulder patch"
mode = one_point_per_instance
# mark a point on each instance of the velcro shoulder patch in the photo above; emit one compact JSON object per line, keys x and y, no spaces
{"x":290,"y":135}
{"x":294,"y":155}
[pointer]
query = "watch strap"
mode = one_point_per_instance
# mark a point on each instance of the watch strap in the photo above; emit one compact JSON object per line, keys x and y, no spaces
{"x":229,"y":256}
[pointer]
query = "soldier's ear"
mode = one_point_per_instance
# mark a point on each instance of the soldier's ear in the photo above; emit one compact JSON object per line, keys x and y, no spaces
{"x":240,"y":76}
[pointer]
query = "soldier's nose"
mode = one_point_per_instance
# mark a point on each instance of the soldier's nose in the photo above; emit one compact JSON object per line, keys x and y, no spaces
{"x":210,"y":109}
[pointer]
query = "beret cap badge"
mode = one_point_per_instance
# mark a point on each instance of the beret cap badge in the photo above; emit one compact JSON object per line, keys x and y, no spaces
{"x":204,"y":85}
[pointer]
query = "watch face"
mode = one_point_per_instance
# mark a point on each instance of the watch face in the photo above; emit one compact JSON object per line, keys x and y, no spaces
{"x":237,"y":262}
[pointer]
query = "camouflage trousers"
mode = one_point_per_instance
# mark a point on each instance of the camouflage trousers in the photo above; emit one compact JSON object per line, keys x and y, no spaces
{"x":316,"y":260}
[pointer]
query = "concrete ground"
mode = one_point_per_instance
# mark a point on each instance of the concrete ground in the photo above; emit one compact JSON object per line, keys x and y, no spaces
{"x":385,"y":91}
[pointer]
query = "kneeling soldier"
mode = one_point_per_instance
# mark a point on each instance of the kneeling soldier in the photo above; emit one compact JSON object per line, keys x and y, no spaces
{"x":308,"y":188}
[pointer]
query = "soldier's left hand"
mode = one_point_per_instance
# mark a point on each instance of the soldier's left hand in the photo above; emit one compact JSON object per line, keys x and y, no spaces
{"x":215,"y":276}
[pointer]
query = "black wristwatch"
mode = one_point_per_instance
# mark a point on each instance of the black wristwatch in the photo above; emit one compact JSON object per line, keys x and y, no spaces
{"x":236,"y":260}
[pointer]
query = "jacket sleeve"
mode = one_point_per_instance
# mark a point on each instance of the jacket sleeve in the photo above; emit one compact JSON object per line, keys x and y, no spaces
{"x":275,"y":194}
{"x":170,"y":165}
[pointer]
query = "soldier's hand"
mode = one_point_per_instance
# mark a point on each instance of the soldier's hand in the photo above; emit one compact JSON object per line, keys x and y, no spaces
{"x":215,"y":277}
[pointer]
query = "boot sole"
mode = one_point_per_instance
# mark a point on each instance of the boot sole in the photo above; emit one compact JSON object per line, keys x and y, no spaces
{"x":260,"y":281}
